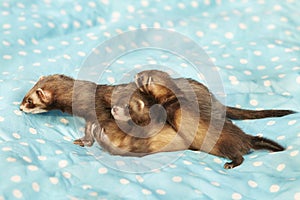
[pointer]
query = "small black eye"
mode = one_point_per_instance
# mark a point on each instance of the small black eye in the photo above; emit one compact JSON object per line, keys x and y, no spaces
{"x":29,"y":100}
{"x":127,"y":106}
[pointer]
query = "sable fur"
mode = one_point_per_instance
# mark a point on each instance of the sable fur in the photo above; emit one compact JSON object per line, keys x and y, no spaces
{"x":219,"y":137}
{"x":93,"y":103}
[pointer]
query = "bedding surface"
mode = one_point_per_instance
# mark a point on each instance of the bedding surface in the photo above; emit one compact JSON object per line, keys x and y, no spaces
{"x":246,"y":52}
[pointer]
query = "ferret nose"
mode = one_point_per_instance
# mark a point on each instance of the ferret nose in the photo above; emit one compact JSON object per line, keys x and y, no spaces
{"x":115,"y":109}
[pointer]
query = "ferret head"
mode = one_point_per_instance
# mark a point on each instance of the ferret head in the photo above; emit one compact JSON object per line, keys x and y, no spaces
{"x":40,"y":98}
{"x":137,"y":109}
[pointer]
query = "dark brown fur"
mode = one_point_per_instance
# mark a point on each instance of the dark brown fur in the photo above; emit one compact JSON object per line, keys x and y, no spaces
{"x":219,"y":137}
{"x":93,"y":103}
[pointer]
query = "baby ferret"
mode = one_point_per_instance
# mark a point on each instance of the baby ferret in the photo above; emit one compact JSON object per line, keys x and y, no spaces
{"x":134,"y":133}
{"x":229,"y":142}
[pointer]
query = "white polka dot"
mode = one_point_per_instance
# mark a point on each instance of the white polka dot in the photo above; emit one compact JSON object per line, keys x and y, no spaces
{"x":201,"y":34}
{"x":215,"y":184}
{"x":229,"y":35}
{"x":27,"y":159}
{"x":24,"y":143}
{"x":187,"y":162}
{"x":274,"y":59}
{"x":297,"y":196}
{"x":243,"y":26}
{"x":271,"y":27}
{"x":62,"y":163}
{"x":145,"y":3}
{"x":270,"y":123}
{"x":294,"y":153}
{"x":111,"y":80}
{"x":6,"y":26}
{"x":81,"y":53}
{"x":292,"y":122}
{"x":124,"y":181}
{"x":236,"y":196}
{"x":93,"y":194}
{"x":1,"y":119}
{"x":146,"y":192}
{"x":64,"y":121}
{"x":18,"y":194}
{"x":298,"y":79}
{"x":7,"y":57}
{"x":139,"y":178}
{"x":255,"y":18}
{"x":257,"y":53}
{"x":54,"y":180}
{"x":257,"y":164}
{"x":120,"y":163}
{"x":280,"y":167}
{"x":33,"y":168}
{"x":42,"y":158}
{"x":86,"y":187}
{"x":6,"y":149}
{"x":35,"y":186}
{"x":32,"y":131}
{"x":253,"y":102}
{"x":274,"y":188}
{"x":16,"y":179}
{"x":194,"y":4}
{"x":130,"y":8}
{"x":67,"y":138}
{"x":177,"y":179}
{"x":58,"y":152}
{"x":21,"y":42}
{"x":102,"y":170}
{"x":217,"y":160}
{"x":247,"y":72}
{"x":213,"y":26}
{"x":161,"y":192}
{"x":41,"y":141}
{"x":267,"y":83}
{"x":252,"y":184}
{"x":78,"y":8}
{"x":10,"y":159}
{"x":271,"y":46}
{"x":261,"y":67}
{"x":207,"y":169}
{"x":282,"y":137}
{"x":67,"y":175}
{"x":243,"y":61}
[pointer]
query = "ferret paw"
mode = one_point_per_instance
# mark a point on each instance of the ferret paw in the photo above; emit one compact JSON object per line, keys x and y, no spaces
{"x":228,"y":165}
{"x":83,"y":142}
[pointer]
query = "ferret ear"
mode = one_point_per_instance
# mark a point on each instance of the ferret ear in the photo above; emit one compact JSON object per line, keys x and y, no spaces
{"x":141,"y":104}
{"x":41,"y":78}
{"x":44,"y":95}
{"x":150,"y":80}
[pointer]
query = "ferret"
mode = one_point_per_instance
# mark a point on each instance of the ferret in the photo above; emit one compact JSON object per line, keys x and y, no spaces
{"x":220,"y":138}
{"x":94,"y":102}
{"x":133,"y":132}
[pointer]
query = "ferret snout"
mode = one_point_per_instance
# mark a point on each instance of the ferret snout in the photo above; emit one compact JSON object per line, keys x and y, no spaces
{"x":115,"y":109}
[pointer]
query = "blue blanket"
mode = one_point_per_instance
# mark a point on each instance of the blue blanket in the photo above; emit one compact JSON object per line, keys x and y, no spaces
{"x":249,"y":51}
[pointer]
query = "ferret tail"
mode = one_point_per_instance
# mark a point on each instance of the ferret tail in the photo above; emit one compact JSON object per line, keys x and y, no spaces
{"x":264,"y":143}
{"x":239,"y":114}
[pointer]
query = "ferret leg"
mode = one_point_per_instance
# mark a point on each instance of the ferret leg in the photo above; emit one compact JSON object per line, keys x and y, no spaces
{"x":236,"y":161}
{"x":87,"y":139}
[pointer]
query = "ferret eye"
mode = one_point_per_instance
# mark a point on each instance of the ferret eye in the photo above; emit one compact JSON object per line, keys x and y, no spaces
{"x":29,"y":100}
{"x":127,"y":106}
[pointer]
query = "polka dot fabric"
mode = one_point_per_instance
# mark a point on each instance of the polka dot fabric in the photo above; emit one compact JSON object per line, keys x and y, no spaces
{"x":254,"y":44}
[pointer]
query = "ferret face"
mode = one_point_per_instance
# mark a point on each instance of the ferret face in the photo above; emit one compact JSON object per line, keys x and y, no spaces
{"x":136,"y":110}
{"x":40,"y":97}
{"x":34,"y":102}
